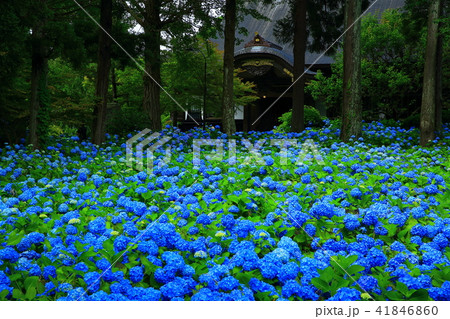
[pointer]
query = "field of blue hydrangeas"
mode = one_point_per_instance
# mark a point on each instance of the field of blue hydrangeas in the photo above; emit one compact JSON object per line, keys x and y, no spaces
{"x":370,"y":220}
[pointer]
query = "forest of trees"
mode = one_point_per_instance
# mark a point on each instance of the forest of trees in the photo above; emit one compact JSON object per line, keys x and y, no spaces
{"x":64,"y":62}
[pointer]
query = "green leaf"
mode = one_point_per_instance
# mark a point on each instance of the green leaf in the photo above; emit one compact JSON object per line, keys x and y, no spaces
{"x":402,"y":288}
{"x":354,"y":269}
{"x":394,"y":295}
{"x":31,"y":293}
{"x":236,"y":270}
{"x":147,"y":195}
{"x":149,"y":267}
{"x":341,"y":262}
{"x":419,"y":295}
{"x":14,"y":277}
{"x":349,"y":260}
{"x":14,"y":239}
{"x":17,"y":294}
{"x":3,"y":294}
{"x":392,"y":229}
{"x":327,"y":274}
{"x":244,"y":277}
{"x":277,"y":224}
{"x":402,"y":234}
{"x":320,"y":284}
{"x":290,"y":233}
{"x":263,"y":296}
{"x":339,"y":284}
{"x":416,"y":272}
{"x":31,"y":282}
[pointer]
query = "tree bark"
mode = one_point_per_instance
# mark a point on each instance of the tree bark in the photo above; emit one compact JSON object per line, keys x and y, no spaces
{"x":428,"y":108}
{"x":39,"y":72}
{"x":352,"y":104}
{"x":229,"y":125}
{"x":103,"y":69}
{"x":298,"y":94}
{"x":152,"y":57}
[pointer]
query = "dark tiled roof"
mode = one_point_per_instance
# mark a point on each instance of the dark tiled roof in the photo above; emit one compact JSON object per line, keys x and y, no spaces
{"x":279,"y":11}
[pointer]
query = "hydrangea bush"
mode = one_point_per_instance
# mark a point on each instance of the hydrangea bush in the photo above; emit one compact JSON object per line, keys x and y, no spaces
{"x":369,"y":221}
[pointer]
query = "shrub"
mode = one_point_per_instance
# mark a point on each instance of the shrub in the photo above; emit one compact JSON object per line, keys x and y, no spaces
{"x":312,"y":118}
{"x":414,"y":120}
{"x":126,"y":120}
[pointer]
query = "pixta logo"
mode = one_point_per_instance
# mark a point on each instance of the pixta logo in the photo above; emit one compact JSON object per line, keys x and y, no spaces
{"x":136,"y":154}
{"x":252,"y":153}
{"x":248,"y":153}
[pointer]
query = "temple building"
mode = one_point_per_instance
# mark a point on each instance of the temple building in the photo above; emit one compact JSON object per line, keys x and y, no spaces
{"x":270,"y":66}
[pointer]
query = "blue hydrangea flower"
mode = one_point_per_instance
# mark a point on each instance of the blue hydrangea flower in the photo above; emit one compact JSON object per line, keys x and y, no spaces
{"x":356,"y":193}
{"x":442,"y":293}
{"x":288,"y":271}
{"x":260,"y":286}
{"x":206,"y":294}
{"x":36,"y":237}
{"x":293,"y":288}
{"x":368,"y":283}
{"x":233,"y":209}
{"x":176,"y":288}
{"x":228,"y":283}
{"x":4,"y":279}
{"x":136,"y":274}
{"x":97,"y":226}
{"x":63,"y":208}
{"x":81,"y":266}
{"x":346,"y":294}
{"x":49,"y":271}
{"x":351,"y":222}
{"x":310,"y":229}
{"x":193,"y":230}
{"x":203,"y":219}
{"x":92,"y":280}
{"x":228,"y":221}
{"x":121,"y":243}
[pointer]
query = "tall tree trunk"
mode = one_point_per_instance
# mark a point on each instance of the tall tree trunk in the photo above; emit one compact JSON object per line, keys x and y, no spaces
{"x":352,"y":104}
{"x":228,"y":123}
{"x":428,"y":108}
{"x":152,"y":56}
{"x":39,"y":94}
{"x":103,"y":68}
{"x":298,"y":94}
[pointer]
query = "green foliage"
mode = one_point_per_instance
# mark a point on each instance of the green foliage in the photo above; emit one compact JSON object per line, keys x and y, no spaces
{"x":312,"y":119}
{"x":391,"y":70}
{"x":13,"y":87}
{"x":328,"y":88}
{"x":12,"y":37}
{"x":414,"y":120}
{"x":337,"y":275}
{"x":325,"y":24}
{"x":72,"y":93}
{"x":129,"y":86}
{"x":14,"y":108}
{"x":183,"y":78}
{"x":126,"y":120}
